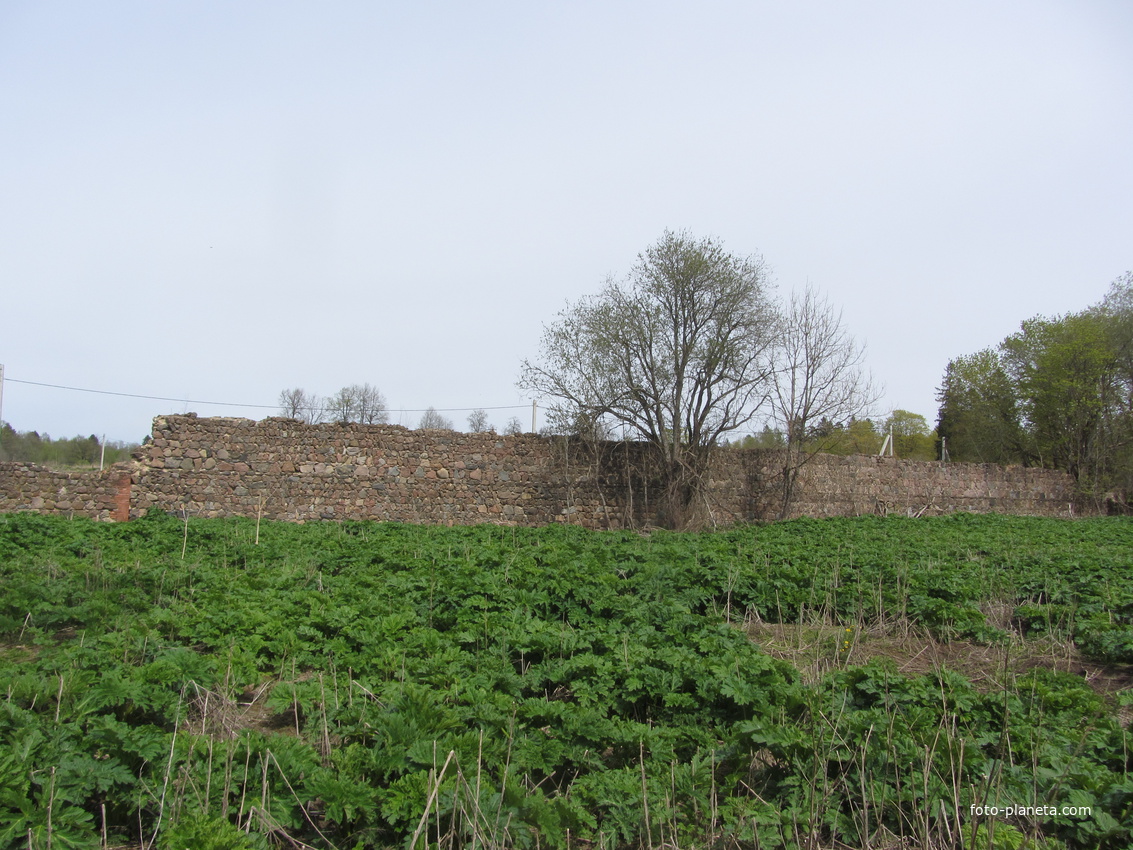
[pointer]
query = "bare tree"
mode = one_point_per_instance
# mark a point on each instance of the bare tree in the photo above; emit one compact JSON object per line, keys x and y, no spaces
{"x":358,"y":403}
{"x":818,"y":375}
{"x":513,"y":427}
{"x":676,"y":353}
{"x":343,"y":405}
{"x":478,"y":421}
{"x":292,"y":402}
{"x":302,"y":405}
{"x":371,"y":404}
{"x":431,"y":420}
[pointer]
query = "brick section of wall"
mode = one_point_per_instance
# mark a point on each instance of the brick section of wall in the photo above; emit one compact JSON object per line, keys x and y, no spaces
{"x":124,"y":486}
{"x":281,"y":469}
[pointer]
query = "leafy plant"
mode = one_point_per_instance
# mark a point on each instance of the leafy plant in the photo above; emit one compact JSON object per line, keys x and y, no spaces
{"x":364,"y":684}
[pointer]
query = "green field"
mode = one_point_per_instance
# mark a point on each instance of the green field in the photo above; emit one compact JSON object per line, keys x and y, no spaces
{"x":212,"y":684}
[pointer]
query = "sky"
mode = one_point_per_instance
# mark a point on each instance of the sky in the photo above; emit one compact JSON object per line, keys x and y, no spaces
{"x":216,"y":201}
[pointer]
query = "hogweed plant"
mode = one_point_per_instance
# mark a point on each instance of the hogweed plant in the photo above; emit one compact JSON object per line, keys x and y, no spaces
{"x":371,"y":685}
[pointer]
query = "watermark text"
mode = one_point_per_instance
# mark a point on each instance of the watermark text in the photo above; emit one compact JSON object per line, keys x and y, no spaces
{"x":1031,"y":811}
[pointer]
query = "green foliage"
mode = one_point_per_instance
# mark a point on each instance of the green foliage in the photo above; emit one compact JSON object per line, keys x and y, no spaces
{"x":354,"y":684}
{"x":1059,"y":368}
{"x":1058,"y":394}
{"x":196,"y":830}
{"x":856,"y":437}
{"x":911,"y":435}
{"x":979,"y":411}
{"x":768,"y":438}
{"x":31,"y":447}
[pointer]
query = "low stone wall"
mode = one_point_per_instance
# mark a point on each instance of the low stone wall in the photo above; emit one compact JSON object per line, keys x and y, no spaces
{"x":282,"y":469}
{"x":850,"y":486}
{"x":99,"y":495}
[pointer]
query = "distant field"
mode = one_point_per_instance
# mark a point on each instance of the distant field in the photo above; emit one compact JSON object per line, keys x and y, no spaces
{"x":821,"y":684}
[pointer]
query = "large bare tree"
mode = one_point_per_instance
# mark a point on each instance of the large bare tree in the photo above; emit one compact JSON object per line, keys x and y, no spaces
{"x":358,"y":403}
{"x":676,"y":353}
{"x":819,"y":374}
{"x":342,"y":407}
{"x":302,"y":405}
{"x":371,"y":404}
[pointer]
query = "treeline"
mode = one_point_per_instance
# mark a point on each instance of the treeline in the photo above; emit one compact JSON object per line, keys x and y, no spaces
{"x":365,"y":404}
{"x":912,"y":437}
{"x":1057,"y":394}
{"x":33,"y":447}
{"x":362,"y":403}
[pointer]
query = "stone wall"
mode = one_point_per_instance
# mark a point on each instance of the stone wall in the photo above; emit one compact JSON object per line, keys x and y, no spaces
{"x":99,"y":495}
{"x":860,"y":484}
{"x":281,"y":469}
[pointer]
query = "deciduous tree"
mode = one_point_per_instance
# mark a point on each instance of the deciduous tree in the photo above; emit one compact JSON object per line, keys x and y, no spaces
{"x":431,"y":419}
{"x":675,"y":353}
{"x":818,"y":374}
{"x":1059,"y":368}
{"x":1116,"y":437}
{"x":371,"y":404}
{"x":342,"y":407}
{"x":912,"y":437}
{"x":1058,"y":393}
{"x":358,"y":403}
{"x":478,"y":421}
{"x":856,"y":437}
{"x":299,"y":404}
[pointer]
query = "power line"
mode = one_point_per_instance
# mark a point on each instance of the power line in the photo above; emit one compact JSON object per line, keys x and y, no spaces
{"x":137,"y":395}
{"x":237,"y":404}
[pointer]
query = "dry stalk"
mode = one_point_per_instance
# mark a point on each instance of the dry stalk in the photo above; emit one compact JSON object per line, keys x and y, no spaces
{"x":432,"y":799}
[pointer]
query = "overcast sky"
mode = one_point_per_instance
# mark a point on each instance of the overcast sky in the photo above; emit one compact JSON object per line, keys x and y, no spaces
{"x":216,"y":201}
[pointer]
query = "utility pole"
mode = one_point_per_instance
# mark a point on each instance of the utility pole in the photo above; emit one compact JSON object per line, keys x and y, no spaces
{"x":1,"y":395}
{"x":533,"y":403}
{"x":887,"y":446}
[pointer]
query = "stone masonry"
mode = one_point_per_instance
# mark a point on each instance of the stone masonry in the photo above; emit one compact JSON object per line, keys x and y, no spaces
{"x":282,"y":469}
{"x":98,"y":495}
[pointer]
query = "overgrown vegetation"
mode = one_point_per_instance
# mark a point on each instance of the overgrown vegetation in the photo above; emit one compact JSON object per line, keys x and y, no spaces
{"x":219,"y":683}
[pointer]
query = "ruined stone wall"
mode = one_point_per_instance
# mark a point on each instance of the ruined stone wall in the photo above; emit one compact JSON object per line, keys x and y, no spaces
{"x":281,"y":469}
{"x":830,"y":485}
{"x":98,"y":495}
